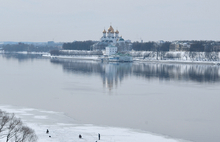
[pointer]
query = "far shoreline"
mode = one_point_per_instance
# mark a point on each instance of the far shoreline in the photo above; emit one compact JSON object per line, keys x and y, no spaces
{"x":135,"y":59}
{"x":181,"y":62}
{"x":95,"y":58}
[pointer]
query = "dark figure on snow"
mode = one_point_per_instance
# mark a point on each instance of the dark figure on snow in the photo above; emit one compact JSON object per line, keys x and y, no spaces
{"x":80,"y":136}
{"x":99,"y":136}
{"x":47,"y":131}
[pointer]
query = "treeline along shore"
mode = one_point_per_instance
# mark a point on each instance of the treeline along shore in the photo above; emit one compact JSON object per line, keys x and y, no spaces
{"x":160,"y":50}
{"x":193,"y":46}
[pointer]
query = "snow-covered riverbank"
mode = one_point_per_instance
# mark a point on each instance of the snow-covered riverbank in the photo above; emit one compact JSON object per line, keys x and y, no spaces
{"x":65,"y":129}
{"x":180,"y":62}
{"x":72,"y":57}
{"x":211,"y":58}
{"x":177,"y":56}
{"x":137,"y":59}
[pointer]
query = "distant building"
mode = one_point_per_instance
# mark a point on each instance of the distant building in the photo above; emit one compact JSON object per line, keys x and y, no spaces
{"x":185,"y":47}
{"x":175,"y":47}
{"x":160,"y":42}
{"x":179,"y":46}
{"x":110,"y":50}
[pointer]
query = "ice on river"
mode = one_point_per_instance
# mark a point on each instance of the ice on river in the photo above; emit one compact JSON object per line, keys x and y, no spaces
{"x":64,"y":129}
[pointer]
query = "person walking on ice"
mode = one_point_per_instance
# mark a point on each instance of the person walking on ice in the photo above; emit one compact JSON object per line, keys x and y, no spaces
{"x":80,"y":136}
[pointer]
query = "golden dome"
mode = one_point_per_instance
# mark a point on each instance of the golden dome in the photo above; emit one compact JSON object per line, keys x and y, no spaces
{"x":110,"y":29}
{"x":104,"y":31}
{"x":116,"y":31}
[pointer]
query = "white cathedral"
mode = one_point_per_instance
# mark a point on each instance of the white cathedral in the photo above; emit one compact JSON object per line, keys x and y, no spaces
{"x":111,"y":37}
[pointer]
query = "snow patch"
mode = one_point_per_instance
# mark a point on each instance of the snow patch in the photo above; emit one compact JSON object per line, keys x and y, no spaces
{"x":65,"y":129}
{"x":40,"y":117}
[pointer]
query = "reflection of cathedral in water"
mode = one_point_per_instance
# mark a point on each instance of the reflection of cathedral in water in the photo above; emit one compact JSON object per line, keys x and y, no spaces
{"x":113,"y":73}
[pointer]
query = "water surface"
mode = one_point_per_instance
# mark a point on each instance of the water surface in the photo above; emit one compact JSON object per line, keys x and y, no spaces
{"x":177,"y":100}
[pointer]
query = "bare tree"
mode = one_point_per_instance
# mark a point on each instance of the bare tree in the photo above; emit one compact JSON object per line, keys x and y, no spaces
{"x":25,"y":134}
{"x":12,"y":129}
{"x":4,"y":120}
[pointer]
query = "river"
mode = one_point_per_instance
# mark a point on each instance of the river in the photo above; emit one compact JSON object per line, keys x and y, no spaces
{"x":177,"y":100}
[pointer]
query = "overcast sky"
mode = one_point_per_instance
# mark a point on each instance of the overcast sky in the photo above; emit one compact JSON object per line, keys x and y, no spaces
{"x":69,"y":20}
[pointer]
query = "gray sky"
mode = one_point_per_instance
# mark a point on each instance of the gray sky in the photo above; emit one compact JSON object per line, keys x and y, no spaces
{"x":69,"y":20}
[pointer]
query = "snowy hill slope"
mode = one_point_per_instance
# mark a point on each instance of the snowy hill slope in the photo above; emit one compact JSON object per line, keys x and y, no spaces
{"x":64,"y":129}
